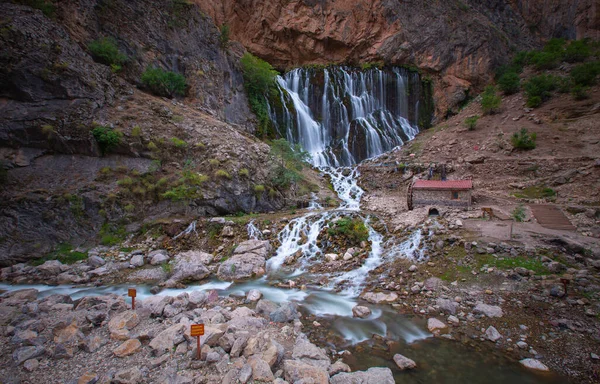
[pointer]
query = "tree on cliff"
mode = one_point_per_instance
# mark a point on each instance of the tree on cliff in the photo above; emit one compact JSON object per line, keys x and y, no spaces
{"x":259,"y":81}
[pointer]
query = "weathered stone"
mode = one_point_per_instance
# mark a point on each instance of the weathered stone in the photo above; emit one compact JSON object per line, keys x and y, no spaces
{"x":31,"y":365}
{"x":338,"y":367}
{"x":124,"y":321}
{"x":245,"y":373}
{"x":260,"y":369}
{"x":488,"y":310}
{"x":52,"y":267}
{"x":20,"y":355}
{"x":67,"y":334}
{"x":434,"y":325}
{"x":257,"y":247}
{"x":167,"y":339}
{"x":296,"y":370}
{"x":95,"y":261}
{"x":128,"y":376}
{"x":253,"y":295}
{"x":303,"y":348}
{"x":242,"y":266}
{"x":158,"y":257}
{"x":197,"y":298}
{"x":88,"y":378}
{"x":433,"y":284}
{"x":137,"y":261}
{"x":380,"y":297}
{"x":361,"y":311}
{"x":92,"y":343}
{"x":227,"y":232}
{"x":211,"y":336}
{"x":129,"y":347}
{"x":534,"y":364}
{"x":157,"y":304}
{"x":370,"y":376}
{"x":492,"y":334}
{"x":61,"y":351}
{"x":447,"y":306}
{"x":403,"y":362}
{"x":189,"y":266}
{"x":285,"y":313}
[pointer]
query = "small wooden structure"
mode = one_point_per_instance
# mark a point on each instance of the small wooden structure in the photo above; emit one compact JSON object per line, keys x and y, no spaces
{"x":451,"y":193}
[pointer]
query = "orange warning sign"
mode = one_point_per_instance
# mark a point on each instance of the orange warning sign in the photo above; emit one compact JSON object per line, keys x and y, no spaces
{"x":131,"y":292}
{"x":197,"y":330}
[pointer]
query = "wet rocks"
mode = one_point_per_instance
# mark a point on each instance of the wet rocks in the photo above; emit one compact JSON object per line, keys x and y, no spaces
{"x":253,"y":295}
{"x":189,"y":266}
{"x":488,"y":310}
{"x":403,"y":362}
{"x":248,"y":261}
{"x":136,"y":261}
{"x":534,"y":364}
{"x":286,"y":312}
{"x":361,"y":311}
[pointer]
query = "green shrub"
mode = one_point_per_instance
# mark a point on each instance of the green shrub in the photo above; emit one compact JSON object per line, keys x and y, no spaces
{"x":126,"y":182}
{"x":64,"y":253}
{"x":538,"y":89}
{"x":112,"y":234}
{"x":164,"y":83}
{"x":136,"y":131}
{"x":214,"y":162}
{"x":353,"y":229}
{"x":224,"y":36}
{"x":518,"y":213}
{"x":105,"y":51}
{"x":290,"y":159}
{"x":48,"y":130}
{"x":577,"y":51}
{"x":223,"y":173}
{"x":47,"y":8}
{"x":244,"y":172}
{"x":106,"y":137}
{"x":490,"y":101}
{"x":585,"y":74}
{"x":259,"y":81}
{"x":509,"y":83}
{"x":471,"y":122}
{"x":579,"y":92}
{"x":259,"y":188}
{"x":177,"y":142}
{"x":129,"y":208}
{"x":151,"y":146}
{"x":523,"y":140}
{"x":545,"y":60}
{"x":564,"y":85}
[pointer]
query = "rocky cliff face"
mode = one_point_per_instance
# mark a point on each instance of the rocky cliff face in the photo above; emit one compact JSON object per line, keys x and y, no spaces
{"x":52,"y":93}
{"x":457,"y":42}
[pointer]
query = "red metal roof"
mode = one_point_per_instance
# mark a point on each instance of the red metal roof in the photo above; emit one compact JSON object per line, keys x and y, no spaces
{"x":448,"y":184}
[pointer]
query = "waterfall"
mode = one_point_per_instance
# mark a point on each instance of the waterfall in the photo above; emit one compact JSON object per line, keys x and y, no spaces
{"x":343,"y":115}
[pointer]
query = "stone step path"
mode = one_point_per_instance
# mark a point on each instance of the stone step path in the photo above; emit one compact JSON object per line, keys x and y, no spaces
{"x":550,"y":216}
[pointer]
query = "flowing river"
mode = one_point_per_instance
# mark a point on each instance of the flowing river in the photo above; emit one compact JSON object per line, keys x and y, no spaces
{"x":361,"y":115}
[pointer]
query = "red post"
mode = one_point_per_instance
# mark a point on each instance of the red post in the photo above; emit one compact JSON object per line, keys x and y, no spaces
{"x":131,"y":292}
{"x":198,"y":347}
{"x":133,"y":303}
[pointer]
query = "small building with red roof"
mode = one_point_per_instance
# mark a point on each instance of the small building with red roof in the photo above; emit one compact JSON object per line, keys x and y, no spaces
{"x":453,"y":193}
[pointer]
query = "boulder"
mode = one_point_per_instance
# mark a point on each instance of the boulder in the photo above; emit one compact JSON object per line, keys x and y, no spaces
{"x":433,"y":284}
{"x":66,"y":334}
{"x":403,"y":362}
{"x":534,"y":364}
{"x":189,"y":266}
{"x":88,"y":378}
{"x":197,"y":298}
{"x":129,"y":347}
{"x":361,"y":311}
{"x":52,"y":267}
{"x":434,"y":325}
{"x":338,"y":367}
{"x":488,"y":310}
{"x":158,"y":257}
{"x":31,"y":365}
{"x":167,"y":339}
{"x":370,"y":376}
{"x":120,"y":325}
{"x":285,"y":313}
{"x":256,"y":247}
{"x":295,"y":370}
{"x":448,"y":306}
{"x":492,"y":334}
{"x":20,"y":355}
{"x":303,"y":348}
{"x":380,"y":297}
{"x":242,"y":266}
{"x":128,"y":376}
{"x":92,"y":343}
{"x":157,"y":304}
{"x":137,"y":261}
{"x":95,"y":261}
{"x":253,"y":295}
{"x":260,"y":369}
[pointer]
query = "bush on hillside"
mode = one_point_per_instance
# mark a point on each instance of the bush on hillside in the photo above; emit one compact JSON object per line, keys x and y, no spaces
{"x":586,"y":74}
{"x":259,"y":81}
{"x":577,"y":51}
{"x":509,"y":83}
{"x":523,"y":140}
{"x":471,"y":122}
{"x":105,"y":51}
{"x":106,"y":137}
{"x":538,"y":89}
{"x":490,"y":101}
{"x":164,"y":83}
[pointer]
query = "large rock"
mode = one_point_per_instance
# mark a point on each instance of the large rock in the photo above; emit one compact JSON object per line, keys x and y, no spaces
{"x":296,"y":370}
{"x":534,"y":364}
{"x":447,"y":306}
{"x":242,"y":266}
{"x":260,"y":369}
{"x":131,"y":375}
{"x":434,"y":325}
{"x":95,"y":261}
{"x":189,"y":266}
{"x":256,"y":247}
{"x":158,"y":257}
{"x":20,"y":355}
{"x":156,"y":304}
{"x":380,"y":297}
{"x":129,"y":347}
{"x":52,"y":267}
{"x":370,"y":376}
{"x":403,"y":362}
{"x":137,"y":261}
{"x":488,"y":310}
{"x":492,"y":334}
{"x":285,"y":313}
{"x":167,"y":339}
{"x":67,"y":333}
{"x":120,"y":325}
{"x":305,"y":349}
{"x":361,"y":311}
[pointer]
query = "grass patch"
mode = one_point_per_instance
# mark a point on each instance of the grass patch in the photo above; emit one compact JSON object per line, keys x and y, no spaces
{"x":523,"y":140}
{"x":471,"y":122}
{"x":533,"y":264}
{"x":535,"y":192}
{"x":63,"y":253}
{"x":352,"y":229}
{"x":164,"y":83}
{"x":112,"y":234}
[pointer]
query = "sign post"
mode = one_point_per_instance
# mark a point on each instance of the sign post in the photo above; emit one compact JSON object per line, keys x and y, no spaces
{"x":132,"y":293}
{"x":197,"y":331}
